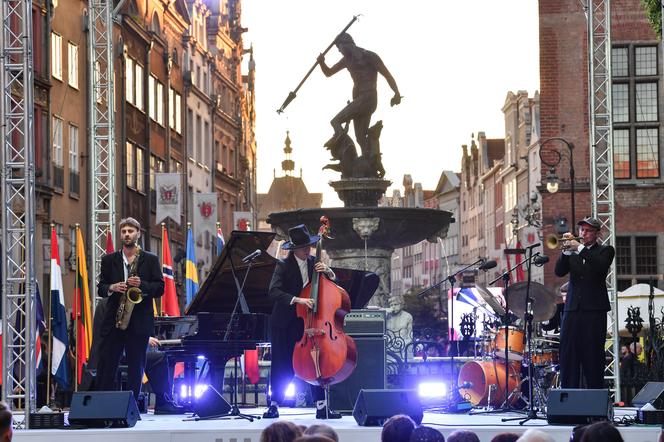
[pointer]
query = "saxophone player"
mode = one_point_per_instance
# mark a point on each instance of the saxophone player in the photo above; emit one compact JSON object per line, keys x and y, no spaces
{"x":130,"y":267}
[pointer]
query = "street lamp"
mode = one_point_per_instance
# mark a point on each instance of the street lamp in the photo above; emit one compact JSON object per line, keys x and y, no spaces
{"x":552,"y":181}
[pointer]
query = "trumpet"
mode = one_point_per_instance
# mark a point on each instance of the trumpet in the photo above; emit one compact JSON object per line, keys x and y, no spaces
{"x":553,"y":242}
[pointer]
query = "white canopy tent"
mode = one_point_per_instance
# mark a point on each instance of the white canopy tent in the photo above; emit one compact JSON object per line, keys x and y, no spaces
{"x":637,"y":296}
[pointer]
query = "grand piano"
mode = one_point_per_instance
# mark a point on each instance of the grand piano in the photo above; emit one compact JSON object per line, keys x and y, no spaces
{"x":219,"y":324}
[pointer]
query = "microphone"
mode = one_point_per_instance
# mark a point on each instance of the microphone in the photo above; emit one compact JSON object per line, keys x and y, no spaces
{"x":540,"y":260}
{"x":486,"y":265}
{"x":253,"y":255}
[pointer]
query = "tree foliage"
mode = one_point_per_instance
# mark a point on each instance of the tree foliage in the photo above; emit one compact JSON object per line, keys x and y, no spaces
{"x":653,"y":9}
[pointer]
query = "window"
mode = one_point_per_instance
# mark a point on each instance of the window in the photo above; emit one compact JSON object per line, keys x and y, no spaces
{"x":635,"y":100}
{"x":171,"y":108}
{"x":73,"y":148}
{"x":151,"y":97}
{"x":57,"y":142}
{"x":129,"y":80}
{"x":131,"y":176}
{"x":138,"y":99}
{"x":160,"y":103}
{"x":140,"y":170}
{"x":56,"y":55}
{"x":72,"y":61}
{"x":199,"y":139}
{"x":636,"y":259}
{"x":178,"y":113}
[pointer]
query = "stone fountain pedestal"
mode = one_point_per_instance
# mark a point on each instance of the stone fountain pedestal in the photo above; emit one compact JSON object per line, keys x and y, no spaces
{"x":365,"y":235}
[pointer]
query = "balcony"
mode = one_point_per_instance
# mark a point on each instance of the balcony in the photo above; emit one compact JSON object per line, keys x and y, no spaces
{"x":59,"y":177}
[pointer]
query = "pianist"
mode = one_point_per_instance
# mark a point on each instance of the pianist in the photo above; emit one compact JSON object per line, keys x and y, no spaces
{"x":290,"y":276}
{"x":113,"y":283}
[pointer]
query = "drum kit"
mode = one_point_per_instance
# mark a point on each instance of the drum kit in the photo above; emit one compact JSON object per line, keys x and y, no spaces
{"x":498,"y":378}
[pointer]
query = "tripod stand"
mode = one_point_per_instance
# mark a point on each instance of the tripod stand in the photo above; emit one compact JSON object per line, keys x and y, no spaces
{"x":528,"y":318}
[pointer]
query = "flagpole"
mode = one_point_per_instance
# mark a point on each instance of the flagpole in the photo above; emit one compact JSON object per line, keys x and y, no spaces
{"x":77,"y":299}
{"x":50,"y":339}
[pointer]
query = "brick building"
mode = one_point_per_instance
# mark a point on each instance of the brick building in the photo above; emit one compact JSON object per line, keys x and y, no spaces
{"x":637,"y":103}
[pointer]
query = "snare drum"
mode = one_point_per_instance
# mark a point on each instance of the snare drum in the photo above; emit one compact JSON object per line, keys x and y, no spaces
{"x":516,"y":343}
{"x":545,"y":356}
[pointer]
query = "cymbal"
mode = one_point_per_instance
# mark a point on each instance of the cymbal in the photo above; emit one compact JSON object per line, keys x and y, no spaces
{"x":543,"y":300}
{"x":490,"y":300}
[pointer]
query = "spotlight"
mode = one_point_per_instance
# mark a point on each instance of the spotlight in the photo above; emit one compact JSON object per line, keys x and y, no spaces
{"x":432,"y":389}
{"x":199,"y":389}
{"x":290,"y":390}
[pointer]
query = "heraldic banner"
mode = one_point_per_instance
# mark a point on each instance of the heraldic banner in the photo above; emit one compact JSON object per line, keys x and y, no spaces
{"x":205,"y":213}
{"x":169,"y":196}
{"x":242,"y":221}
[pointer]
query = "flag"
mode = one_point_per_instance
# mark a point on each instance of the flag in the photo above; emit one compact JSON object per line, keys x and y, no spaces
{"x":59,"y":366}
{"x":520,"y":275}
{"x":109,"y":242}
{"x":191,"y":272}
{"x":220,"y":239}
{"x":169,"y":302}
{"x":40,"y":327}
{"x":82,"y":311}
{"x":251,"y":365}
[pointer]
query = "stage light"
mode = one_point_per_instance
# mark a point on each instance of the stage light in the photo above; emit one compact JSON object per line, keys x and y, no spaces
{"x":290,"y":390}
{"x":432,"y":389}
{"x":199,"y":390}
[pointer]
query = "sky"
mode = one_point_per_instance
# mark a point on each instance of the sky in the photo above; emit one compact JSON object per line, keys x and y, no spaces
{"x":454,"y":63}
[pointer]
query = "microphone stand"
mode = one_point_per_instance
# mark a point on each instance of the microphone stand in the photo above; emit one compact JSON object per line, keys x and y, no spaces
{"x":454,"y":391}
{"x":528,"y":318}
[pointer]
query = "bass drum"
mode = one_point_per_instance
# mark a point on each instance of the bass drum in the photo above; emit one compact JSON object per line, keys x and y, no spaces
{"x":485,"y":381}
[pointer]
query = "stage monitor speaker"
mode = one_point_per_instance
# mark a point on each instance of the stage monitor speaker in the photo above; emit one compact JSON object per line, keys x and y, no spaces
{"x":374,"y":407}
{"x":369,"y":373}
{"x":653,"y":393}
{"x":103,"y":409}
{"x":211,"y":404}
{"x":570,"y":406}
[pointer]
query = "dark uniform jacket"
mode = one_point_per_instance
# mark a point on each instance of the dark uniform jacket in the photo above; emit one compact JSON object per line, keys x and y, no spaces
{"x":285,"y":285}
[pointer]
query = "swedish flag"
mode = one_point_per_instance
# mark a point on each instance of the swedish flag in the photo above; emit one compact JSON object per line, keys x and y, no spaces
{"x":191,"y":273}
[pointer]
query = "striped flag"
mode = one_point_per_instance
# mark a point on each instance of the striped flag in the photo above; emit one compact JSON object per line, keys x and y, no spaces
{"x":40,"y":327}
{"x":169,"y":302}
{"x":82,"y":310}
{"x":191,"y":272}
{"x":59,"y":366}
{"x":220,"y":239}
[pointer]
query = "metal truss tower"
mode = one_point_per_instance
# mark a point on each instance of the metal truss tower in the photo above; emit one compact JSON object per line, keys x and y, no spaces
{"x":102,"y":128}
{"x":18,"y":210}
{"x":601,"y":159}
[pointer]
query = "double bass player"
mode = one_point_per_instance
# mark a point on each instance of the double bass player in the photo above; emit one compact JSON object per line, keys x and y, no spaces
{"x":290,"y":276}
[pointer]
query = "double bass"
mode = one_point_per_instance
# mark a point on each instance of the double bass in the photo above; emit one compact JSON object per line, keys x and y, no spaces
{"x":325,"y":355}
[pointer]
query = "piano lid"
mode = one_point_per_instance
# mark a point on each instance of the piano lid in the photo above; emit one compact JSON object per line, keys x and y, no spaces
{"x":218,"y":293}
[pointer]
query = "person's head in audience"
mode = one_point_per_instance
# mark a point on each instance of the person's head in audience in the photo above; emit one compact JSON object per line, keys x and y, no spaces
{"x":577,"y":433}
{"x":534,"y":435}
{"x":601,"y":432}
{"x":322,"y":430}
{"x":6,"y":423}
{"x":426,"y":434}
{"x":313,"y":438}
{"x":281,"y":431}
{"x":463,"y":436}
{"x":505,"y":437}
{"x":398,"y":428}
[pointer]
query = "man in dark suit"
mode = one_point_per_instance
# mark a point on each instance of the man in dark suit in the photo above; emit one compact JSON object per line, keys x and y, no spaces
{"x":113,"y":283}
{"x":583,"y":331}
{"x":290,"y":276}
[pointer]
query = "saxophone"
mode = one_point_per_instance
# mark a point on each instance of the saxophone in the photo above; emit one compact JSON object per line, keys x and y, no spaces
{"x":130,"y":298}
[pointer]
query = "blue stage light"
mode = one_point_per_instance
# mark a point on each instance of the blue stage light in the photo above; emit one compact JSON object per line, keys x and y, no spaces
{"x":431,"y":389}
{"x":290,"y":391}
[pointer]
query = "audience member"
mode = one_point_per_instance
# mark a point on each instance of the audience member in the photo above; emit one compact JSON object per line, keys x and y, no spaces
{"x":313,"y":438}
{"x":398,"y":428}
{"x":426,"y":434}
{"x":577,"y":433}
{"x":6,"y":423}
{"x":323,"y":430}
{"x":463,"y":436}
{"x":534,"y":435}
{"x":601,"y":432}
{"x":281,"y":431}
{"x":505,"y":437}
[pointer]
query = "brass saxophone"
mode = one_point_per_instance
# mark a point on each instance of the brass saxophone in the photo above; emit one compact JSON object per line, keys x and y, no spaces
{"x":130,"y":298}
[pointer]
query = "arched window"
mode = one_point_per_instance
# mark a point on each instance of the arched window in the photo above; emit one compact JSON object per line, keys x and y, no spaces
{"x":154,"y":25}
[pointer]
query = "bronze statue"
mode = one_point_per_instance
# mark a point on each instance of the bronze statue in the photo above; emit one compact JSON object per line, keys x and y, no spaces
{"x":363,"y":66}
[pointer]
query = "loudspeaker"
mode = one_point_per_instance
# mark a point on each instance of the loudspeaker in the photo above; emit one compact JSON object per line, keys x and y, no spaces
{"x":572,"y":406}
{"x":374,"y":407}
{"x":211,"y":404}
{"x":652,"y":392}
{"x":102,"y":409}
{"x":369,"y":373}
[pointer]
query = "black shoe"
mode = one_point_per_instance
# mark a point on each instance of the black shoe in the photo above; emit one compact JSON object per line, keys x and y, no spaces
{"x":271,"y":413}
{"x":169,"y":408}
{"x":326,"y":413}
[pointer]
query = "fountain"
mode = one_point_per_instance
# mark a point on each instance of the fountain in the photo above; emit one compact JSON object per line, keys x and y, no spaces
{"x":365,"y":234}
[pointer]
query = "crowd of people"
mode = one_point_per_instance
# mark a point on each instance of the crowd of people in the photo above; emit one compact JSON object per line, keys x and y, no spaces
{"x":401,"y":428}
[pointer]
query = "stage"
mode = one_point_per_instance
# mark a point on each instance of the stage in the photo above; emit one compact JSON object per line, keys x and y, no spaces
{"x":178,"y":428}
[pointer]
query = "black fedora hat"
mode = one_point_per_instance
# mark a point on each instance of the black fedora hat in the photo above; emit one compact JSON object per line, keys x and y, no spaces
{"x":299,"y":237}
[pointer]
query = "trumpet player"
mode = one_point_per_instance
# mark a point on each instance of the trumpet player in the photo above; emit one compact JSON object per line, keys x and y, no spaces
{"x":583,"y":330}
{"x":129,"y":267}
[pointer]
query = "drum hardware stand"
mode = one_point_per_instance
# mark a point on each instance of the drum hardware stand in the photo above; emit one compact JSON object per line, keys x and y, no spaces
{"x":528,"y":317}
{"x":455,"y":397}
